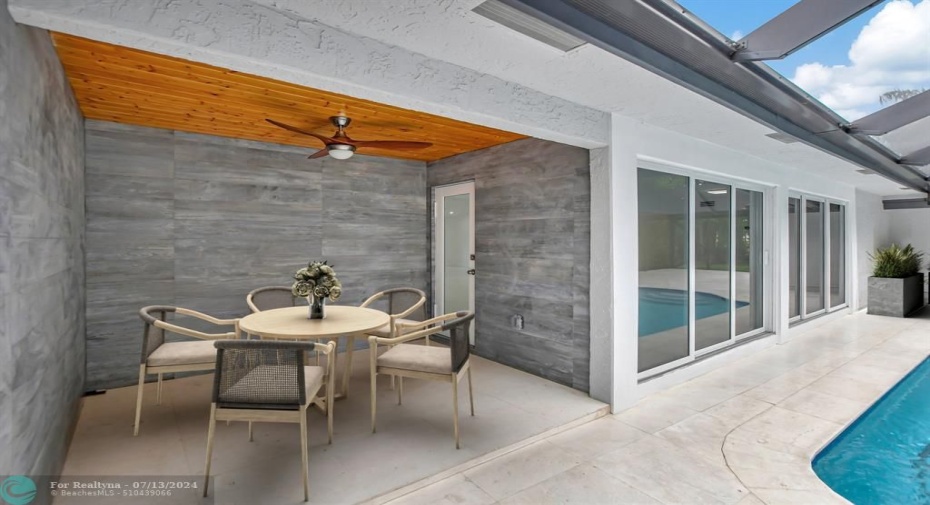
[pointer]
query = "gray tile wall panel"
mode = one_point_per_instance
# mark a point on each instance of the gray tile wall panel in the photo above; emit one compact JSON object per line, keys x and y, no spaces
{"x":532,"y":235}
{"x":42,"y":319}
{"x":198,"y":221}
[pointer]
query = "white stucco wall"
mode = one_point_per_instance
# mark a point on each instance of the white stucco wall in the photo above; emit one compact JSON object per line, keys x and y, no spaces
{"x":878,"y":228}
{"x":632,"y":144}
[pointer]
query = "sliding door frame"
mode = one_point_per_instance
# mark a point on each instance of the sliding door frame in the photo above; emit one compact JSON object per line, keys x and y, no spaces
{"x":767,"y":241}
{"x":825,"y":203}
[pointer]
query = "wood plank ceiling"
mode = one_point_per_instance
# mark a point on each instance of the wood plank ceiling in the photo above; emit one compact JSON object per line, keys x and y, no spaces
{"x":124,"y":85}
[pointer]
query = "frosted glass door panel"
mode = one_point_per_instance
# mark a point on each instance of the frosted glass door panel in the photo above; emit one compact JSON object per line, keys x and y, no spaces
{"x":456,"y":253}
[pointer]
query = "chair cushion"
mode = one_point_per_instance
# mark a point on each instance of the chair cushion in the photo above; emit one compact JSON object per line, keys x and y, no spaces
{"x":197,"y":352}
{"x":385,"y":331}
{"x":313,"y":380}
{"x":419,"y":358}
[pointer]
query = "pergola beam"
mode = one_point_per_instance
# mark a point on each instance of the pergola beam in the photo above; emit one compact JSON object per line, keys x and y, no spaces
{"x":796,"y":27}
{"x":918,"y":158}
{"x":893,"y":117}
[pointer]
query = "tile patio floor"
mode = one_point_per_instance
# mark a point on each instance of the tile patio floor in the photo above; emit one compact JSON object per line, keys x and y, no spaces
{"x":743,"y":434}
{"x":414,"y":441}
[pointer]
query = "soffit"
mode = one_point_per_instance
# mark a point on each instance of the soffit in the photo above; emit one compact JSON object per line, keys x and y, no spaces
{"x":125,"y":85}
{"x":587,"y":75}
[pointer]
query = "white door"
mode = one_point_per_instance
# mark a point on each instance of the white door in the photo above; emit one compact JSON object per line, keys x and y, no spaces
{"x":454,"y":221}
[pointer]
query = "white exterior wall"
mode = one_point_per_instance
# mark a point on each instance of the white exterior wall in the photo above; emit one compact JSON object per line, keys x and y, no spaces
{"x":633,"y":142}
{"x":878,"y":228}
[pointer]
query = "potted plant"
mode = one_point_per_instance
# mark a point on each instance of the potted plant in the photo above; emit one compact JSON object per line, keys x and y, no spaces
{"x":896,"y":287}
{"x":316,"y":282}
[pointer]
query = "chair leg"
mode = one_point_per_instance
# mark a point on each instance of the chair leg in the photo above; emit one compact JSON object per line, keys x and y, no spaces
{"x":135,"y":427}
{"x":471,"y":396}
{"x":374,"y":389}
{"x":250,"y":430}
{"x":400,"y":390}
{"x":455,"y":409}
{"x":304,"y":456}
{"x":158,"y":391}
{"x":210,"y":431}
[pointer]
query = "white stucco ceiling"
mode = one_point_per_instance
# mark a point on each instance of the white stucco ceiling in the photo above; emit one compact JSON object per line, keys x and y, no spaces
{"x":435,"y":56}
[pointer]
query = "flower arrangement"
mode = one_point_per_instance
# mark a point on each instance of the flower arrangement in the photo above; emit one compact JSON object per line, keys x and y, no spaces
{"x":317,"y":279}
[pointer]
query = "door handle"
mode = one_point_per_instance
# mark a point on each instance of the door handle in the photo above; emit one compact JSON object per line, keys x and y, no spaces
{"x":471,"y":271}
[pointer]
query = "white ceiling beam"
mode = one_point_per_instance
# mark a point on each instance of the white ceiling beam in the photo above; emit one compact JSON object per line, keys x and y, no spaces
{"x":801,"y":24}
{"x":894,"y":116}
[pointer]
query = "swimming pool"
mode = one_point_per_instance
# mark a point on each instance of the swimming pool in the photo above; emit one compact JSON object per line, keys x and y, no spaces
{"x":662,"y":309}
{"x":884,"y":455}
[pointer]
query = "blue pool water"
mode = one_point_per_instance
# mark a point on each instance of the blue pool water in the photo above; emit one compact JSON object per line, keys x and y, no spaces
{"x":884,"y":456}
{"x":663,"y":309}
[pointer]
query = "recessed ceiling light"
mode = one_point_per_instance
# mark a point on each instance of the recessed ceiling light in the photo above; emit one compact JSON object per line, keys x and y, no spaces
{"x":866,"y":172}
{"x":717,"y":191}
{"x":782,"y":137}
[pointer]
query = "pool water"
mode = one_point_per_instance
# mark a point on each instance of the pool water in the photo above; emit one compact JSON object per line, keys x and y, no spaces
{"x":884,"y":455}
{"x":662,"y":309}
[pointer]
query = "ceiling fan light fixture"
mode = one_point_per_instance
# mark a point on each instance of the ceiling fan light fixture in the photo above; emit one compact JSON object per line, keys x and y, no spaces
{"x":340,"y":151}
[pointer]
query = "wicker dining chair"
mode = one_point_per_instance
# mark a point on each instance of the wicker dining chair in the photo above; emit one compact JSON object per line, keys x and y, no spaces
{"x":404,"y":305}
{"x":270,"y":297}
{"x":268,"y":381}
{"x":425,"y":362}
{"x":160,"y":357}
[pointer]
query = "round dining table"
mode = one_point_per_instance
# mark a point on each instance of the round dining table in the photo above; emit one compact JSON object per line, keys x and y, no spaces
{"x":291,"y":323}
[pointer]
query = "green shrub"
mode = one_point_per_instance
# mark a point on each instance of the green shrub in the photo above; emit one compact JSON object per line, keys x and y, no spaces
{"x":896,"y":262}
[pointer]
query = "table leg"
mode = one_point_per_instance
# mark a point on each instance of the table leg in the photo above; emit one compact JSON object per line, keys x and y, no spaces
{"x":350,"y":347}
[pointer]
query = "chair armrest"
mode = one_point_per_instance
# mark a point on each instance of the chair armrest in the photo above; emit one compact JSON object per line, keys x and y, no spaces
{"x":424,"y":324}
{"x":173,"y":328}
{"x":327,"y":348}
{"x":205,"y":317}
{"x":372,"y":299}
{"x":373,"y":341}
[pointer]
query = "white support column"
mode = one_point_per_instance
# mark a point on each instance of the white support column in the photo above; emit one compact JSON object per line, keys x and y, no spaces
{"x":780,"y":267}
{"x":614,"y":268}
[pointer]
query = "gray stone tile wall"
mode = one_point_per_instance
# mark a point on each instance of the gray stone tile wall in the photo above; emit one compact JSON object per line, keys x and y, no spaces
{"x":41,"y":253}
{"x":532,"y":246}
{"x":198,"y":221}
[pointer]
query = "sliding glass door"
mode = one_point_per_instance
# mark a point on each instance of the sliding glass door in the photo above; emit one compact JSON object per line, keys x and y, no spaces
{"x":750,"y":262}
{"x":816,"y":256}
{"x":813,"y":257}
{"x":701,"y":266}
{"x":712,"y":263}
{"x":794,"y":258}
{"x":664,"y":283}
{"x":837,"y":255}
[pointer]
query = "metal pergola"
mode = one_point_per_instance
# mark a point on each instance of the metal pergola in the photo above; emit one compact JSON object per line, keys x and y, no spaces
{"x":663,"y":37}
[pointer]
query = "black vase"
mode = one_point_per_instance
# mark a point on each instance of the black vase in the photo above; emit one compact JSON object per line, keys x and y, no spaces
{"x":317,"y":307}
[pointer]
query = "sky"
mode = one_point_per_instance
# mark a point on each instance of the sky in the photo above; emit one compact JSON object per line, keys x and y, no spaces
{"x":885,"y":48}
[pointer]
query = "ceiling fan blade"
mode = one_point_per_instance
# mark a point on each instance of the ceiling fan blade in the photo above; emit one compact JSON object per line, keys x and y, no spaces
{"x":326,"y":140}
{"x":400,"y":145}
{"x":318,"y":154}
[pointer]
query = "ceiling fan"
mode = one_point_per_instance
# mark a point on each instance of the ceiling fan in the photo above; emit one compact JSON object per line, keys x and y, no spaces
{"x":342,"y":147}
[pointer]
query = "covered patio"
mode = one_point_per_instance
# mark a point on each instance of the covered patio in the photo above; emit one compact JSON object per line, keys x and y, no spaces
{"x":413,"y":442}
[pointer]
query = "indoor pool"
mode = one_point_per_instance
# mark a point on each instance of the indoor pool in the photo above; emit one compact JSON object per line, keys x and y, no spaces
{"x":663,"y":309}
{"x":884,"y":456}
